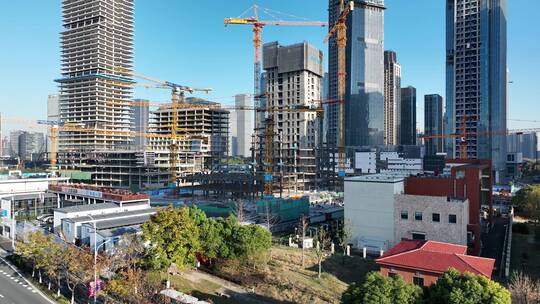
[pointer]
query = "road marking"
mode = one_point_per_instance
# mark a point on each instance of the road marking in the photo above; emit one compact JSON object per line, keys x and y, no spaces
{"x":33,"y":291}
{"x":29,"y":288}
{"x":16,"y":280}
{"x":1,"y":296}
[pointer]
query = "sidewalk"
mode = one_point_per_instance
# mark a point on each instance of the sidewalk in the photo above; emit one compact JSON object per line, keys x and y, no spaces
{"x":5,"y":244}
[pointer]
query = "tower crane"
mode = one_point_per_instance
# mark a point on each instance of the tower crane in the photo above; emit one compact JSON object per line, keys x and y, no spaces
{"x":340,"y":29}
{"x":258,"y":26}
{"x":177,"y":97}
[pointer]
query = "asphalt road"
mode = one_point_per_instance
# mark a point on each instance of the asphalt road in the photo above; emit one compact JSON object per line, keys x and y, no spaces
{"x":15,"y":290}
{"x":493,"y":242}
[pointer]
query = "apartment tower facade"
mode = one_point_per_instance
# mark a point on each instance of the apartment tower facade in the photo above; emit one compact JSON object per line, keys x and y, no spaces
{"x":476,"y":79}
{"x":392,"y":98}
{"x":294,"y":79}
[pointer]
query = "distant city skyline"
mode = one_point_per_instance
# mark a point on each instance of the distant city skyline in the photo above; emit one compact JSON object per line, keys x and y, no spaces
{"x":33,"y":55}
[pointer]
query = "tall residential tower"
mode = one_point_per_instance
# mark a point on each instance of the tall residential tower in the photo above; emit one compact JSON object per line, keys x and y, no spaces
{"x":294,"y":79}
{"x":476,"y":80}
{"x":392,"y":99}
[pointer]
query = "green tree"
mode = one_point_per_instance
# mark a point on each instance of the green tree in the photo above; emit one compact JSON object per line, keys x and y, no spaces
{"x":454,"y":287}
{"x":403,"y":292}
{"x":527,"y":202}
{"x":380,"y":289}
{"x":209,"y":232}
{"x":173,"y":236}
{"x":353,"y":294}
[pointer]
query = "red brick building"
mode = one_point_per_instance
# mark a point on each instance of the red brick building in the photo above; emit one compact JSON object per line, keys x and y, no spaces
{"x":423,"y":262}
{"x":469,"y":179}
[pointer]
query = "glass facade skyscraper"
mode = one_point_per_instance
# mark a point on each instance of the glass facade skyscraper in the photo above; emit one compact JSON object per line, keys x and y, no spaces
{"x":433,"y":123}
{"x":407,"y":125}
{"x":476,"y":80}
{"x":364,"y":101}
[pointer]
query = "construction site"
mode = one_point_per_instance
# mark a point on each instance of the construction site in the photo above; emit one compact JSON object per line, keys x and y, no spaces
{"x":180,"y":151}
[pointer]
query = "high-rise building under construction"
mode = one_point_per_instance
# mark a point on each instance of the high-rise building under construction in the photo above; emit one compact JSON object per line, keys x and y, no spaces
{"x":96,"y":61}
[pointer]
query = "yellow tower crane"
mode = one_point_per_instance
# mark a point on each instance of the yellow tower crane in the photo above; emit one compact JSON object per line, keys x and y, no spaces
{"x":177,"y":97}
{"x":340,"y":29}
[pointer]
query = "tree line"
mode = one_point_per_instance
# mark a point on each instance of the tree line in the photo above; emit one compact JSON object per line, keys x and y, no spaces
{"x":133,"y":272}
{"x":452,"y":287}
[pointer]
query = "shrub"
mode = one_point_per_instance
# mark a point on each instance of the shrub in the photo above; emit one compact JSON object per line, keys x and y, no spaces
{"x":521,"y":228}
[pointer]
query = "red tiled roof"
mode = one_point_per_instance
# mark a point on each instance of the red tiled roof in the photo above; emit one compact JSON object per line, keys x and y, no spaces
{"x":435,"y":257}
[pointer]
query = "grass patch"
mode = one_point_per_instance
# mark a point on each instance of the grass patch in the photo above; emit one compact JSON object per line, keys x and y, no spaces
{"x":526,"y":253}
{"x":283,"y":280}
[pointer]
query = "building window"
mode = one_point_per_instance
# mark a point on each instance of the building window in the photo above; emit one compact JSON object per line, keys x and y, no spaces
{"x":418,"y":215}
{"x":436,"y":217}
{"x":404,"y":215}
{"x":418,"y":281}
{"x":452,"y":218}
{"x":418,"y":236}
{"x":392,"y":275}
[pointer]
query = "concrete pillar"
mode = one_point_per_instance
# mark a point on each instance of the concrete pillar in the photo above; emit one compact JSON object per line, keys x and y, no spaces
{"x":332,"y":249}
{"x":348,"y":250}
{"x":364,"y":252}
{"x":381,"y":252}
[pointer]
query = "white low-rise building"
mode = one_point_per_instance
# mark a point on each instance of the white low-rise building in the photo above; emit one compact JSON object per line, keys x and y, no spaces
{"x":381,"y":215}
{"x":77,"y":230}
{"x":369,"y":209}
{"x":81,"y":211}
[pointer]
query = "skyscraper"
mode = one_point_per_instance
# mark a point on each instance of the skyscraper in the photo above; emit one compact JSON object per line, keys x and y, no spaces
{"x":392,"y":99}
{"x":476,"y":81}
{"x":364,"y":101}
{"x":141,"y":115}
{"x":244,"y":125}
{"x":294,"y":78}
{"x":433,"y":123}
{"x":407,"y":125}
{"x":97,"y":59}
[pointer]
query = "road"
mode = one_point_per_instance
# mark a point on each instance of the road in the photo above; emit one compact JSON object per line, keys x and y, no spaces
{"x":493,"y":242}
{"x":15,"y":290}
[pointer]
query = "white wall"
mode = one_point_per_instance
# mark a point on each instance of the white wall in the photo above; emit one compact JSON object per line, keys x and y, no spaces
{"x":366,"y":161}
{"x":369,"y":207}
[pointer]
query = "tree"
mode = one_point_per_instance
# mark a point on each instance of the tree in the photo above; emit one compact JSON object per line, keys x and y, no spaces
{"x":173,"y":236}
{"x":209,"y":232}
{"x":34,"y":249}
{"x":527,"y":200}
{"x":523,"y":289}
{"x":455,"y":287}
{"x":344,"y":236}
{"x":303,"y":224}
{"x":53,"y":264}
{"x":323,"y":241}
{"x":77,"y":267}
{"x":403,"y":292}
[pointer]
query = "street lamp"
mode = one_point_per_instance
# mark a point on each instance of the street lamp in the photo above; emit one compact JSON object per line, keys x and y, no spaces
{"x":95,"y":255}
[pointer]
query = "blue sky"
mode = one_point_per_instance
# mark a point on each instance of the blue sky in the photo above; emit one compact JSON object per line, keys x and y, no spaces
{"x":184,"y":41}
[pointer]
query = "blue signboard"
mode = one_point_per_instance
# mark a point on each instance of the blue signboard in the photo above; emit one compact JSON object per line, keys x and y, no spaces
{"x":268,"y":177}
{"x":3,"y":213}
